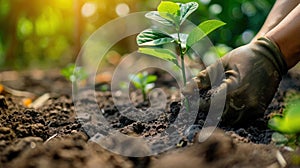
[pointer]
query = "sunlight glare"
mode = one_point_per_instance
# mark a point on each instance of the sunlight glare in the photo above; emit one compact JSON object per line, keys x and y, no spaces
{"x":88,"y":9}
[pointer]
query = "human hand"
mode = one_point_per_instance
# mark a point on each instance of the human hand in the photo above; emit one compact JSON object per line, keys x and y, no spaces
{"x":250,"y":74}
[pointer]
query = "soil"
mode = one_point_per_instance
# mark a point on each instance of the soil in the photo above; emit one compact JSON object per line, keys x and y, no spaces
{"x":53,"y":134}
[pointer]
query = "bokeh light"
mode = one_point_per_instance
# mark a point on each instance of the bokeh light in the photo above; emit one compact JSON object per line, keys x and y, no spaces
{"x":122,"y":9}
{"x":89,"y":9}
{"x":215,"y":9}
{"x":237,"y":13}
{"x":249,"y":9}
{"x":205,"y":1}
{"x":25,"y":27}
{"x":247,"y":36}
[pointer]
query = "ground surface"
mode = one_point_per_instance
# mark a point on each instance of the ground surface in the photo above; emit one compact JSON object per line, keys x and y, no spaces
{"x":52,"y":134}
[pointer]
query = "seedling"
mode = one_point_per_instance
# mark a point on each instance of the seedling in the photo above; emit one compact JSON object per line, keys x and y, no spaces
{"x":172,"y":16}
{"x":143,"y":81}
{"x":287,"y":124}
{"x":73,"y":74}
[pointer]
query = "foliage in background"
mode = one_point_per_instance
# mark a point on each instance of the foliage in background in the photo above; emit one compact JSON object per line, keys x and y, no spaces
{"x":49,"y":33}
{"x":243,"y":17}
{"x":143,"y":81}
{"x":173,"y":15}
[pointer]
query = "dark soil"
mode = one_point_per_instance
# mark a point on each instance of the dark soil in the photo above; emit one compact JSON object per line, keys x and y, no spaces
{"x":56,"y":135}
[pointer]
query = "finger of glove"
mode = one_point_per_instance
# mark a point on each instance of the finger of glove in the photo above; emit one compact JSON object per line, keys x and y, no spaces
{"x":212,"y":76}
{"x":201,"y":81}
{"x":191,"y":87}
{"x":217,"y":105}
{"x":232,"y":79}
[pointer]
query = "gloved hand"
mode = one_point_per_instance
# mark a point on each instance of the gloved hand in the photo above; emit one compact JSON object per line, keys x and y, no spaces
{"x":251,"y":74}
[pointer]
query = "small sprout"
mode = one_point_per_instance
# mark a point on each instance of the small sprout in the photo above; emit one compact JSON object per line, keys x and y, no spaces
{"x":289,"y":122}
{"x":73,"y":73}
{"x":144,"y":82}
{"x":103,"y":88}
{"x":287,"y":125}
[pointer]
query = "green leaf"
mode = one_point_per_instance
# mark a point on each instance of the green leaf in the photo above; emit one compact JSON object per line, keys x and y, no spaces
{"x":143,"y":80}
{"x":149,"y":86}
{"x":289,"y":122}
{"x":68,"y":71}
{"x":186,"y":10}
{"x":161,"y":53}
{"x":276,"y":123}
{"x":279,"y":139}
{"x":135,"y":79}
{"x":203,"y":30}
{"x":169,"y":8}
{"x":153,"y":37}
{"x":154,"y":15}
{"x":137,"y":84}
{"x":80,"y":73}
{"x":151,"y":79}
{"x":170,"y":11}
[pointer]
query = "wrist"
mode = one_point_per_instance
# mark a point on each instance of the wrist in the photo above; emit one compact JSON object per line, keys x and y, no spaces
{"x":290,"y":53}
{"x":286,"y":36}
{"x":271,"y":51}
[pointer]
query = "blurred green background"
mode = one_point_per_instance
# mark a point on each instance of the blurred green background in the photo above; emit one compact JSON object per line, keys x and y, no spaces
{"x":49,"y":33}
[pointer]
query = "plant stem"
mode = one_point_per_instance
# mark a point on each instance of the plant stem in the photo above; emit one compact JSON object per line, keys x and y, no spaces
{"x":183,"y":68}
{"x":144,"y":94}
{"x":75,"y":88}
{"x":182,"y":60}
{"x":186,"y":101}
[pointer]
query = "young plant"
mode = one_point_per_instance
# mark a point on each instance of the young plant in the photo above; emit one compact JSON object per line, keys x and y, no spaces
{"x":172,"y":16}
{"x":287,"y":124}
{"x":73,"y":74}
{"x":144,"y":82}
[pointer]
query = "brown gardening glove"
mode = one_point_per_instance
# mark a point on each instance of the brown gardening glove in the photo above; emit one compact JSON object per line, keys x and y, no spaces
{"x":250,"y":74}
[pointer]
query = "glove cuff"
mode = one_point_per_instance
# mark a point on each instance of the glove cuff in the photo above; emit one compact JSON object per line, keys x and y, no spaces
{"x":276,"y":56}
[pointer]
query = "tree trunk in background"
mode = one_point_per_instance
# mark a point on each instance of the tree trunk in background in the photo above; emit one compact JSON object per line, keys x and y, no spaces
{"x":11,"y":37}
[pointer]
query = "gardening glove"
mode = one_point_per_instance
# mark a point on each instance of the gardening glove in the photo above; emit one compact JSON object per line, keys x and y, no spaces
{"x":250,"y":74}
